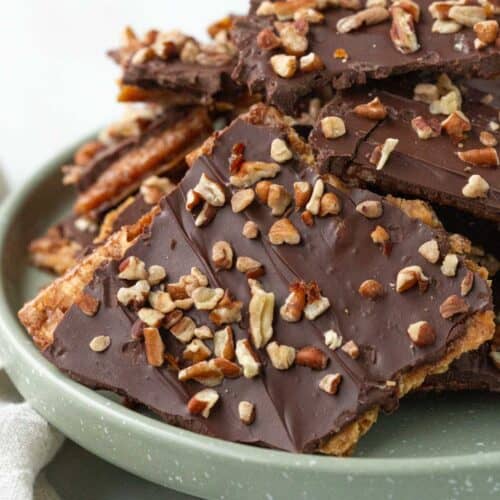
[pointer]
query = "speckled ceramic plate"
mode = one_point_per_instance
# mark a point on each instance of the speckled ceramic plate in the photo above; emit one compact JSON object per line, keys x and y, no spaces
{"x":435,"y":446}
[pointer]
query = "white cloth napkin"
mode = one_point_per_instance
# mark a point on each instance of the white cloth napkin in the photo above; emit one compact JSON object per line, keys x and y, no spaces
{"x":27,"y":442}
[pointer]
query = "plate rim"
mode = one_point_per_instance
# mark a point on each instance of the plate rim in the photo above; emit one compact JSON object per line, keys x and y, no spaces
{"x":16,"y":337}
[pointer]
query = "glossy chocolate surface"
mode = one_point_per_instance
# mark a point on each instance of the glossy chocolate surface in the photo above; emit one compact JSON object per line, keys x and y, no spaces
{"x":292,"y":413}
{"x":371,"y":55}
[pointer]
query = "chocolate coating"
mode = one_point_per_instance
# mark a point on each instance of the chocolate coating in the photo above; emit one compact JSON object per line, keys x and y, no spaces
{"x":113,"y":152}
{"x":371,"y":56}
{"x":429,"y":169}
{"x":292,"y":413}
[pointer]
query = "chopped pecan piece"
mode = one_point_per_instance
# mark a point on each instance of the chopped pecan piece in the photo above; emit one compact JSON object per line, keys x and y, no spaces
{"x":410,"y":276}
{"x":222,"y":255}
{"x":227,"y":311}
{"x":210,"y":191}
{"x":426,"y":129}
{"x":333,"y":127}
{"x":483,"y":157}
{"x":252,"y":172}
{"x":88,"y":304}
{"x":246,"y":412}
{"x":312,"y":357}
{"x":284,"y":232}
{"x":429,"y":251}
{"x":373,"y":110}
{"x":332,"y":339}
{"x":203,"y":402}
{"x":100,"y":343}
{"x":351,"y":348}
{"x":371,"y":209}
{"x":261,"y":314}
{"x":278,"y":199}
{"x":403,"y":34}
{"x":421,"y":333}
{"x":450,"y":264}
{"x":456,"y":125}
{"x":368,"y":17}
{"x":284,"y":65}
{"x":467,"y":283}
{"x":314,"y":203}
{"x":196,"y":351}
{"x":282,"y":356}
{"x":250,"y":230}
{"x":247,"y":358}
{"x":295,"y":303}
{"x":280,"y":152}
{"x":453,"y":305}
{"x":476,"y":187}
{"x":154,"y":346}
{"x":330,"y":383}
{"x":224,"y":343}
{"x":242,"y":199}
{"x":132,"y":268}
{"x":371,"y":289}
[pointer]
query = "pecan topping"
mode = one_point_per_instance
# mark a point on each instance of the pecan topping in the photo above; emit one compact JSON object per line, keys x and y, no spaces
{"x":282,"y":356}
{"x":224,"y":343}
{"x":280,"y":152}
{"x":284,"y":232}
{"x":100,"y":343}
{"x":206,"y":215}
{"x":88,"y":304}
{"x":278,"y":199}
{"x":203,"y":402}
{"x":312,"y":357}
{"x":316,"y":304}
{"x":371,"y":209}
{"x":262,"y":190}
{"x":467,"y":15}
{"x":154,"y":346}
{"x":210,"y":191}
{"x":242,"y":199}
{"x":352,"y":349}
{"x":161,"y":301}
{"x":381,"y":153}
{"x":135,"y":295}
{"x":251,"y":267}
{"x":429,"y":251}
{"x":222,"y":255}
{"x":132,"y":268}
{"x":332,"y":339}
{"x":246,"y":412}
{"x":250,"y":230}
{"x":453,"y":305}
{"x":488,"y":139}
{"x":295,"y":303}
{"x":403,"y":34}
{"x":467,"y":283}
{"x":151,"y":317}
{"x":456,"y":125}
{"x":330,"y":383}
{"x":267,"y":39}
{"x":410,"y":276}
{"x":368,"y":17}
{"x":183,"y":329}
{"x":373,"y":110}
{"x":483,"y":157}
{"x":237,"y":157}
{"x":421,"y":333}
{"x":206,"y":299}
{"x":196,"y":351}
{"x":371,"y":289}
{"x":486,"y":31}
{"x":227,"y":311}
{"x":154,"y":188}
{"x":261,"y":313}
{"x":476,"y":187}
{"x":284,"y":65}
{"x":251,"y":172}
{"x":333,"y":127}
{"x":329,"y":204}
{"x":426,"y":129}
{"x":156,"y":274}
{"x":203,"y":332}
{"x":204,"y":372}
{"x":314,"y":203}
{"x":247,"y":358}
{"x":302,"y":192}
{"x":450,"y":264}
{"x":311,"y":62}
{"x":293,"y":37}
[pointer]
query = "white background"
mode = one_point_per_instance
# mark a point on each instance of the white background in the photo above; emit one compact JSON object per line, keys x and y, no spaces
{"x":56,"y":83}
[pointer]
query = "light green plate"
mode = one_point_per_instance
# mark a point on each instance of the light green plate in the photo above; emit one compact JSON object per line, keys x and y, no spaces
{"x":442,"y":446}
